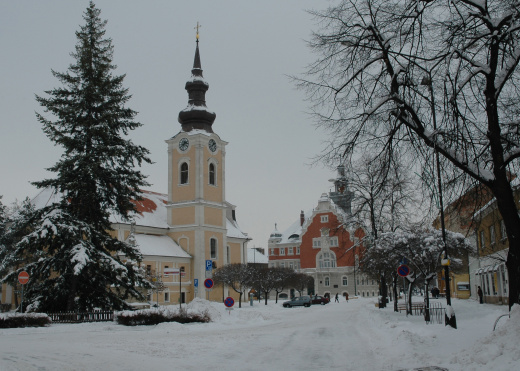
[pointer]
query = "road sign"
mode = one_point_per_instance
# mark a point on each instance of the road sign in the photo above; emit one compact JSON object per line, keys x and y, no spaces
{"x":171,"y":271}
{"x":229,"y":302}
{"x":403,"y":270}
{"x":196,"y":282}
{"x":209,"y":265}
{"x":23,"y":277}
{"x":208,"y":283}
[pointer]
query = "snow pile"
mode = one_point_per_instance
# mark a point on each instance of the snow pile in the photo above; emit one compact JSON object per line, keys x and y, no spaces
{"x":498,"y":350}
{"x":201,"y":306}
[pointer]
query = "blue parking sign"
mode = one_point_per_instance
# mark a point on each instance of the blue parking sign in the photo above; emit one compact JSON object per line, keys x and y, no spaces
{"x":209,"y":265}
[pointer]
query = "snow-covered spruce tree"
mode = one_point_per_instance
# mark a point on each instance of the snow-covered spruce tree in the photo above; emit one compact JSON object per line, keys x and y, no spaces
{"x":78,"y":265}
{"x":442,"y":74}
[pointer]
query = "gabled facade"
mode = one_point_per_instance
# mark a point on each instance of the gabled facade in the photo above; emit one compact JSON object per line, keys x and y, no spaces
{"x":320,"y":244}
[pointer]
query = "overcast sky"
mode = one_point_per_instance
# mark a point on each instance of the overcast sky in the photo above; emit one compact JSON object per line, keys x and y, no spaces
{"x":247,"y":50}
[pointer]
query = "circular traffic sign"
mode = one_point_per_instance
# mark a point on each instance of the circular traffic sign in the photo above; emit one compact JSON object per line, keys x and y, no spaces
{"x":229,"y":302}
{"x":208,"y":283}
{"x":23,"y":277}
{"x":403,"y":270}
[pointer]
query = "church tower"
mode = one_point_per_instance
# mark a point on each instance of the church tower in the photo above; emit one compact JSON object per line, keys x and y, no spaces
{"x":197,"y":207}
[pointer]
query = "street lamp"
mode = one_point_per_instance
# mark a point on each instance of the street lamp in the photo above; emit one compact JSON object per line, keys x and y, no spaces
{"x":449,"y":318}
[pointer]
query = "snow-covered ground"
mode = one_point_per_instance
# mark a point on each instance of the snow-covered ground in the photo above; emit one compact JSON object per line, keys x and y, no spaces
{"x":352,"y":335}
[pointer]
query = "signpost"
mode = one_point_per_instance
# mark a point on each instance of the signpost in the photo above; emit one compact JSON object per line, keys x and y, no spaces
{"x":229,"y":302}
{"x":403,"y":270}
{"x":208,"y":283}
{"x":23,"y":278}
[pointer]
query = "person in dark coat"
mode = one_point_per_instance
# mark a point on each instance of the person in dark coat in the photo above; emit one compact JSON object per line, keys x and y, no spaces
{"x":337,"y":300}
{"x":480,"y":295}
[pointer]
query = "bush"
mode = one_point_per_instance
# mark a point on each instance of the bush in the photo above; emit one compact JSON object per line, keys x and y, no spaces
{"x":13,"y":320}
{"x":157,"y":315}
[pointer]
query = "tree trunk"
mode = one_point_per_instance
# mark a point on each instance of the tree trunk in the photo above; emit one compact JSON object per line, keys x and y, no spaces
{"x":394,"y":289}
{"x":266,"y":293}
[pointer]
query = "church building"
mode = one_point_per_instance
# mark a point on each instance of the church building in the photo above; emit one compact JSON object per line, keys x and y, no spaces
{"x":191,"y":230}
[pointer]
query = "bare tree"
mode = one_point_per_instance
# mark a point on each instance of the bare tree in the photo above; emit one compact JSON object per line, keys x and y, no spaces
{"x":238,"y":276}
{"x":281,"y":279}
{"x":416,"y":73}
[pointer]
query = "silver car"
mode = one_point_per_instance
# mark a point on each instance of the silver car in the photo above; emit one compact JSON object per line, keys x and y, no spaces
{"x":299,"y":301}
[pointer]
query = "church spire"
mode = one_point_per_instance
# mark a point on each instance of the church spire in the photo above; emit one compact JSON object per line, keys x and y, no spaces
{"x":197,"y":115}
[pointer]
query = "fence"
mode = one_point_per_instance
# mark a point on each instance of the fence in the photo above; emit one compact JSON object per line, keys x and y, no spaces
{"x":77,"y":317}
{"x":436,"y":313}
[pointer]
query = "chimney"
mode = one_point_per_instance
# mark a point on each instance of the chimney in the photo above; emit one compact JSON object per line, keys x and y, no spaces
{"x":302,"y":218}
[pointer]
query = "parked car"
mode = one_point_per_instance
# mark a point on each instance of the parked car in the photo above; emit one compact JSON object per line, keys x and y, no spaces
{"x":316,"y":299}
{"x":299,"y":301}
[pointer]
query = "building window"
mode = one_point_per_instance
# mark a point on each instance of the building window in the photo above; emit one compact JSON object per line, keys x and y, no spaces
{"x":282,"y":264}
{"x":334,"y":241}
{"x":290,"y":251}
{"x":184,"y":173}
{"x":327,"y":281}
{"x":492,"y":238}
{"x":324,"y":218}
{"x":297,"y":251}
{"x":503,"y":234}
{"x":212,"y":174}
{"x":272,"y":251}
{"x":282,"y":250}
{"x":344,"y":281}
{"x":326,"y":260}
{"x":291,"y":265}
{"x":166,"y":296}
{"x":213,"y":248}
{"x":482,"y":241}
{"x":316,"y":243}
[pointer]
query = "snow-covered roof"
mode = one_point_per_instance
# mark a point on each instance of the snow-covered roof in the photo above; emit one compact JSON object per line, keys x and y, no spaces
{"x":151,"y":211}
{"x":151,"y":245}
{"x":233,"y":230}
{"x":256,"y":257}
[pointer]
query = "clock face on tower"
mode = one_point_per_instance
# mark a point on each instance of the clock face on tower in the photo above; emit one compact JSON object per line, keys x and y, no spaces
{"x":212,"y":145}
{"x":183,"y":144}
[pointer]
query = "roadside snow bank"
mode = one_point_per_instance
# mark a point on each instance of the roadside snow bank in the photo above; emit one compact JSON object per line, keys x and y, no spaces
{"x":498,"y":350}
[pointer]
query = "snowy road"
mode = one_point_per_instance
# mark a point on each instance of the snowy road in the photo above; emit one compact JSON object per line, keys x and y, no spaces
{"x":344,"y":336}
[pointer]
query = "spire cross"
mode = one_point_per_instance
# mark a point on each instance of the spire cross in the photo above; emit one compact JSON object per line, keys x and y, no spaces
{"x":197,"y":28}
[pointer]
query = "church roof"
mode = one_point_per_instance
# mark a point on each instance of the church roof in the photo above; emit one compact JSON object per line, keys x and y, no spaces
{"x":196,"y":115}
{"x":150,"y":211}
{"x":151,"y":245}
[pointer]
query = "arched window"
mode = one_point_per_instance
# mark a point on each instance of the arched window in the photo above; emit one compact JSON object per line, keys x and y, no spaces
{"x":212,"y":174}
{"x":344,"y":281}
{"x":184,"y":173}
{"x":213,"y":248}
{"x":326,"y":259}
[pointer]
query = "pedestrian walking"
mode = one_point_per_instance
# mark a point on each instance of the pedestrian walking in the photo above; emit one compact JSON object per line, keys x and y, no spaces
{"x":337,"y":300}
{"x":480,"y":295}
{"x":346,"y":296}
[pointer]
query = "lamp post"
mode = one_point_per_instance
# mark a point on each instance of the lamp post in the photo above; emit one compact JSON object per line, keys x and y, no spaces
{"x":449,"y":316}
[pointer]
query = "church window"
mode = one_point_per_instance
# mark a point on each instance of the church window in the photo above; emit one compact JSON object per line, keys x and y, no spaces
{"x":213,"y":248}
{"x":184,"y":173}
{"x":212,"y":174}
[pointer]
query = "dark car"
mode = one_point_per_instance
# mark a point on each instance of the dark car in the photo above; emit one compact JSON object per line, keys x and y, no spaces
{"x":316,"y":299}
{"x":299,"y":301}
